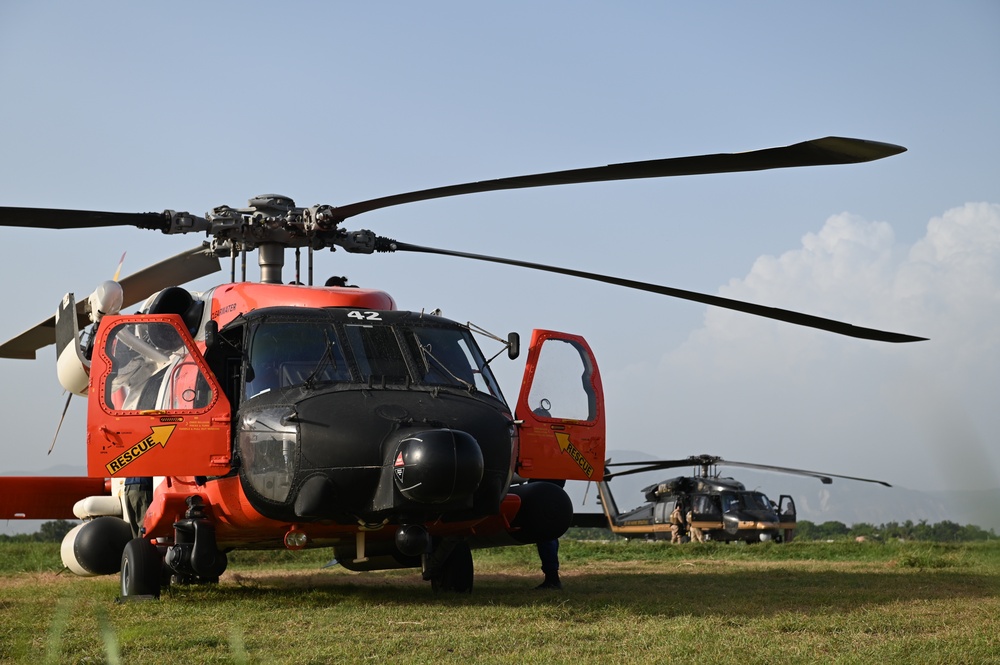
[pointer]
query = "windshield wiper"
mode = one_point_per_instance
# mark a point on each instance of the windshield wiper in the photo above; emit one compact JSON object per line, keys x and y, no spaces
{"x":326,"y":359}
{"x":425,"y":351}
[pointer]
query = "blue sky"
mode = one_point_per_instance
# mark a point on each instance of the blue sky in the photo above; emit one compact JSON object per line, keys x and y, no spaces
{"x":134,"y":107}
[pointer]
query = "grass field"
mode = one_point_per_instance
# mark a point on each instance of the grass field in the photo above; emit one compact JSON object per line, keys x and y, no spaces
{"x":622,"y":603}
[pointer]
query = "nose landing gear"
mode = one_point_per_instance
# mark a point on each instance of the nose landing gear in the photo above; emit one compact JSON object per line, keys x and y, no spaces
{"x":449,"y":566}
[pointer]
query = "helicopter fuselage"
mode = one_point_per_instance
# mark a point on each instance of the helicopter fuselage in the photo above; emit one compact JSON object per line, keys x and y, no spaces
{"x":331,"y":417}
{"x":718,"y":509}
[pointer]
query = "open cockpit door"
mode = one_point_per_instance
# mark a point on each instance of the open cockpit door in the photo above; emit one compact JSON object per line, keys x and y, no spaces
{"x":155,"y":407}
{"x":561,"y":410}
{"x":786,"y":517}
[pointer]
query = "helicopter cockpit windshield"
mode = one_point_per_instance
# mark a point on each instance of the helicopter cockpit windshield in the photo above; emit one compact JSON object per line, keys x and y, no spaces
{"x":289,"y":352}
{"x":734,"y":501}
{"x":756,"y":501}
{"x":448,"y":356}
{"x":284,"y":354}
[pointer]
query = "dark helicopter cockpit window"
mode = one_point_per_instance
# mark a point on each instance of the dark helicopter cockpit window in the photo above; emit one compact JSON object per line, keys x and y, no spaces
{"x":757,"y":501}
{"x":151,"y":368}
{"x":705,"y":504}
{"x":730,"y":502}
{"x":284,"y":354}
{"x":449,"y":357}
{"x":377,"y":352}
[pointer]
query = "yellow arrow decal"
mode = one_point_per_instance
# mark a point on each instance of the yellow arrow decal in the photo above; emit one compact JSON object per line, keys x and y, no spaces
{"x":567,"y":446}
{"x":157,"y":435}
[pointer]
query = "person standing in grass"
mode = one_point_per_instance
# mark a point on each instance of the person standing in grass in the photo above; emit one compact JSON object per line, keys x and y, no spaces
{"x":676,"y":523}
{"x":138,"y":496}
{"x":548,"y":553}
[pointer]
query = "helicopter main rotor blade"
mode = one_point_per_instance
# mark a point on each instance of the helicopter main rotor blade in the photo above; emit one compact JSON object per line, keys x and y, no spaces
{"x":643,"y":467}
{"x":775,"y":313}
{"x":711,"y":460}
{"x":656,"y":465}
{"x":824,"y":477}
{"x":53,"y":218}
{"x":818,"y":152}
{"x":179,"y":269}
{"x":824,"y":151}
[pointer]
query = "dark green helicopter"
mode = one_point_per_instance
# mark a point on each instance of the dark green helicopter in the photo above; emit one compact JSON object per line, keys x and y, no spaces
{"x":704,"y":506}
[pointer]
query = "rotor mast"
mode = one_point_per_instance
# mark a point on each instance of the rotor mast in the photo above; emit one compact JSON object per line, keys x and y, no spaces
{"x":271,"y":259}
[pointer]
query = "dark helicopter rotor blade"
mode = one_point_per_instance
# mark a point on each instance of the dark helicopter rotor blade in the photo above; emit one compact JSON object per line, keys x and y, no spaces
{"x":826,"y":151}
{"x":775,"y":313}
{"x":703,"y":460}
{"x":823,"y":477}
{"x":52,"y":218}
{"x":830,"y":150}
{"x":174,"y":271}
{"x":179,"y":269}
{"x":643,"y":467}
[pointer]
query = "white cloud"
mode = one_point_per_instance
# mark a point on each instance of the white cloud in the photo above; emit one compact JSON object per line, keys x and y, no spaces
{"x":919,"y":411}
{"x":954,"y":274}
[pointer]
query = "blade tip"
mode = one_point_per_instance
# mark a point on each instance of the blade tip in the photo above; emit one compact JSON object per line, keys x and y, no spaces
{"x":862,"y":150}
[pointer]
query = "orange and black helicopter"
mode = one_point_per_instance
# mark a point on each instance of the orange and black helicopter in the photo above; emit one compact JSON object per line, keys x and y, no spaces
{"x":278,"y":415}
{"x":705,"y":506}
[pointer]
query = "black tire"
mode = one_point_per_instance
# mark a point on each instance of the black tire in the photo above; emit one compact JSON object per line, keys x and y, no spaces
{"x":456,"y":573}
{"x":141,"y":567}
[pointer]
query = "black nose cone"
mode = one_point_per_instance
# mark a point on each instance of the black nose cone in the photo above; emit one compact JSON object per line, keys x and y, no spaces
{"x":438,"y":466}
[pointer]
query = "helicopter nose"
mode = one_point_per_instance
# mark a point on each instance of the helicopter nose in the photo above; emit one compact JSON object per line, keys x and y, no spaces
{"x":437,"y":466}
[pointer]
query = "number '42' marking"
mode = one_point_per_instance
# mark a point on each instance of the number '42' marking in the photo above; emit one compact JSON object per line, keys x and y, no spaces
{"x":364,"y":316}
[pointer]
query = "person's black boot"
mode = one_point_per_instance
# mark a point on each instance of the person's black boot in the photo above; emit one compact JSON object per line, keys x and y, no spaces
{"x":550,"y":582}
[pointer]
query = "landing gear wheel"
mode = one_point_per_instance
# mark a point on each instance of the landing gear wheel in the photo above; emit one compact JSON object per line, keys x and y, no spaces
{"x":141,"y":566}
{"x":456,"y":573}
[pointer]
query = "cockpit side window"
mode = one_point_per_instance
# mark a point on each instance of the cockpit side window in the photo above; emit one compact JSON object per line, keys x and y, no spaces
{"x":703,"y":504}
{"x":552,"y":395}
{"x":151,"y":369}
{"x":730,"y":502}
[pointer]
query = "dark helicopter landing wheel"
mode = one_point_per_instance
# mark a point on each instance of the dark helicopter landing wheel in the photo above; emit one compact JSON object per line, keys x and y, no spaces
{"x":456,"y":573}
{"x":141,"y":567}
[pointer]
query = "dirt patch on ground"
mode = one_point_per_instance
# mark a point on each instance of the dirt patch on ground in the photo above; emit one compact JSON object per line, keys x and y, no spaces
{"x":45,"y":578}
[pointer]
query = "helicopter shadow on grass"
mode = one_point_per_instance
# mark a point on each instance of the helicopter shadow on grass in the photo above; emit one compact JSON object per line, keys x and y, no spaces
{"x":777,"y":592}
{"x":731,"y":594}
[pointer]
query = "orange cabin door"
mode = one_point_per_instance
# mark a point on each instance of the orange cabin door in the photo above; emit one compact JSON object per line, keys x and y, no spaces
{"x":155,"y":408}
{"x":561,"y":410}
